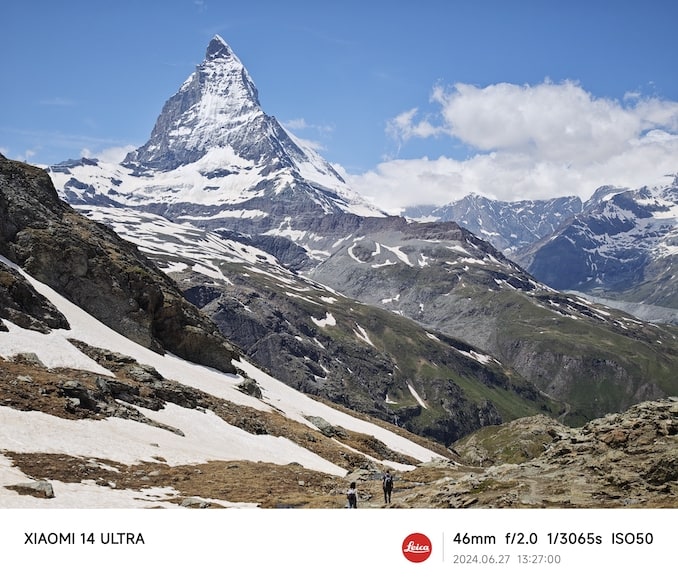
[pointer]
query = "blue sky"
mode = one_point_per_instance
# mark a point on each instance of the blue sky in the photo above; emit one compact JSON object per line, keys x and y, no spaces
{"x":413,"y":101}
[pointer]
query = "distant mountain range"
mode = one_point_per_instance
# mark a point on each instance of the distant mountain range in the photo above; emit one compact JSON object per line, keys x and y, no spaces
{"x":618,"y":246}
{"x":509,"y":226}
{"x":426,"y":325}
{"x":622,"y":245}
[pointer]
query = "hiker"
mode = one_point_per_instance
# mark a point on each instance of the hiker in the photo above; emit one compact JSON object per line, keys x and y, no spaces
{"x":352,"y":495}
{"x":387,"y":484}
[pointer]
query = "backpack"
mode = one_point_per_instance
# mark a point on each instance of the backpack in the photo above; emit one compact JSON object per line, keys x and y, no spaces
{"x":388,"y":482}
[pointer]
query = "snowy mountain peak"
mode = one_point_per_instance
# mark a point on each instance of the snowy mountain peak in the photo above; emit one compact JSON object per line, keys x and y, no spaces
{"x":218,"y":48}
{"x":214,"y":154}
{"x":223,"y":62}
{"x":213,"y":109}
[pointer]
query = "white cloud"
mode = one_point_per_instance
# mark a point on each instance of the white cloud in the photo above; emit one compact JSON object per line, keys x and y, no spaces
{"x":26,"y":155}
{"x":528,"y":142}
{"x":110,"y":155}
{"x":403,"y":127}
{"x":296,"y":124}
{"x":313,"y":145}
{"x":301,"y":124}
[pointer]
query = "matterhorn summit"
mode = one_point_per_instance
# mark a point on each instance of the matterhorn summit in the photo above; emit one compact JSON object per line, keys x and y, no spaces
{"x":217,"y":160}
{"x":217,"y":109}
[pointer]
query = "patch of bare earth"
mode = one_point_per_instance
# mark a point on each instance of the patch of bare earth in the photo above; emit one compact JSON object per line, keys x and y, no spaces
{"x":27,"y":385}
{"x":270,"y":486}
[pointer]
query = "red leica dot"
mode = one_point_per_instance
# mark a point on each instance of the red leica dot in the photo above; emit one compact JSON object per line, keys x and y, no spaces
{"x":416,"y":547}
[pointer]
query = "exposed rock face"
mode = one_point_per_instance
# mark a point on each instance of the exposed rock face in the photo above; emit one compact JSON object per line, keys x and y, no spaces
{"x":39,"y":489}
{"x":445,"y":278}
{"x":25,"y":307}
{"x":622,"y":245}
{"x":216,"y":107}
{"x":624,"y":459}
{"x":366,"y":359}
{"x":97,"y":270}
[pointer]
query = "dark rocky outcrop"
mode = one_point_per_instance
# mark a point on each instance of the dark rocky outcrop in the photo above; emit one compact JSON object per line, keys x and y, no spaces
{"x":39,"y":489}
{"x":25,"y":307}
{"x":97,"y":270}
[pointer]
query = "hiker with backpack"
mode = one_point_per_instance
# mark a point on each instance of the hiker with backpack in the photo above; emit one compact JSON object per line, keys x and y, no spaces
{"x":352,"y":495}
{"x":387,"y":485}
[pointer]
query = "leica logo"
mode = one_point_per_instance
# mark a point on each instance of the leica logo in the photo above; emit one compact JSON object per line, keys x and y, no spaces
{"x":416,"y":548}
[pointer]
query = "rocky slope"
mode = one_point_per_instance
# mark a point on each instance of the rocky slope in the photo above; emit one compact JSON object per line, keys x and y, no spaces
{"x":329,"y":345}
{"x":627,"y":459}
{"x":97,"y":270}
{"x":621,"y":460}
{"x":90,"y":418}
{"x":444,"y":277}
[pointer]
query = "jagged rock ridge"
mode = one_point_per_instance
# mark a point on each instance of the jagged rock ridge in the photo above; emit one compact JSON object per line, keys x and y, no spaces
{"x":214,"y":155}
{"x":627,"y":459}
{"x":622,"y":245}
{"x":217,"y":107}
{"x":509,"y":226}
